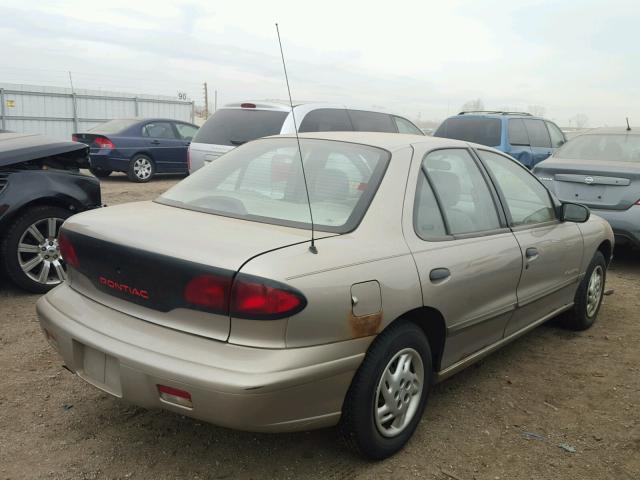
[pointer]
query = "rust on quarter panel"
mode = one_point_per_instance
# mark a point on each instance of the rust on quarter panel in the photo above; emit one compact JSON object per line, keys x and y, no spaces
{"x":365,"y":325}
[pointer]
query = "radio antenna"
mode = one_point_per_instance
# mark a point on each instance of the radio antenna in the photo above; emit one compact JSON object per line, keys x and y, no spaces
{"x":628,"y":126}
{"x":312,"y":247}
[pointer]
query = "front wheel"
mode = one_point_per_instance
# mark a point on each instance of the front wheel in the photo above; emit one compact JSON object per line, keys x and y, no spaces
{"x":30,"y":253}
{"x":588,"y":298}
{"x":141,"y":169}
{"x":388,"y":394}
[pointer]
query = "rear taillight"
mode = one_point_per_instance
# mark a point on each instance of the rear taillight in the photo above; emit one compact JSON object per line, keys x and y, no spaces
{"x":67,"y":251}
{"x":74,"y":138}
{"x":247,"y":105}
{"x":104,"y":142}
{"x":249,"y":297}
{"x":638,"y":202}
{"x":260,"y":298}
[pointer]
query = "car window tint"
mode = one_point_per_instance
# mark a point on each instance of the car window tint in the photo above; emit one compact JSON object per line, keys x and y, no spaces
{"x":235,"y":126}
{"x":326,"y":120}
{"x":557,"y":137}
{"x":528,"y":201}
{"x":538,"y":133}
{"x":405,"y":126}
{"x":517,"y":132}
{"x":427,"y":219}
{"x":186,"y":131}
{"x":462,"y":191}
{"x":470,"y":128}
{"x":371,"y":121}
{"x":158,"y":130}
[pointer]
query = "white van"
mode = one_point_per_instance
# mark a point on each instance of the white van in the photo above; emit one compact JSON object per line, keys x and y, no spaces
{"x":238,"y":123}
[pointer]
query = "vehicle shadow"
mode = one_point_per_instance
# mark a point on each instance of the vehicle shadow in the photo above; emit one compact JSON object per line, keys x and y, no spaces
{"x":119,"y":177}
{"x":626,"y":260}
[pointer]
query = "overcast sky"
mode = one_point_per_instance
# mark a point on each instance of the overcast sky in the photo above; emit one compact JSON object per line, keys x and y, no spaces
{"x":423,"y":59}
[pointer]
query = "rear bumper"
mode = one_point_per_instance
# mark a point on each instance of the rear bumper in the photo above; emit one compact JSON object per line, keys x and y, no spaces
{"x":233,"y":386}
{"x":108,"y":161}
{"x":624,"y":223}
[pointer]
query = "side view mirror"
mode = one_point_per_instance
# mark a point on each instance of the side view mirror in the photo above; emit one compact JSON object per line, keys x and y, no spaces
{"x":574,"y":212}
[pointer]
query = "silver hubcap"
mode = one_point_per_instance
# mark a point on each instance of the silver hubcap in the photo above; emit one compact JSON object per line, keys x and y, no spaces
{"x":142,"y":168}
{"x":399,"y":392}
{"x":39,"y":253}
{"x":594,"y":291}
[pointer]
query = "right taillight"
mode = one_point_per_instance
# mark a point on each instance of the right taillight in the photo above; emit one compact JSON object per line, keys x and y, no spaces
{"x":67,"y":251}
{"x":263,"y":299}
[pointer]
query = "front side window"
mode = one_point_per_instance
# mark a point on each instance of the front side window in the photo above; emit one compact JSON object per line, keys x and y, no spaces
{"x":461,"y":191}
{"x":371,"y":121}
{"x":528,"y":201}
{"x":262,"y":181}
{"x":471,"y":128}
{"x":405,"y":126}
{"x":326,"y":120}
{"x":557,"y":137}
{"x":538,"y":134}
{"x":158,"y":130}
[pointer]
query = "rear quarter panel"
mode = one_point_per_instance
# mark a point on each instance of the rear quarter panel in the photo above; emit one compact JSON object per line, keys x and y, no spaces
{"x":595,"y":231}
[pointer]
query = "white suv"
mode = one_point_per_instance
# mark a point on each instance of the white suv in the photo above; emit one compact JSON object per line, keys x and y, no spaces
{"x":238,"y":123}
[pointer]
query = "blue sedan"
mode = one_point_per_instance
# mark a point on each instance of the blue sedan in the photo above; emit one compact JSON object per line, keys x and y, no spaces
{"x":138,"y":147}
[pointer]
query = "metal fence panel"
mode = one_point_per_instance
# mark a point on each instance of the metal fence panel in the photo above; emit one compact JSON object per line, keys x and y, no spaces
{"x":58,"y":112}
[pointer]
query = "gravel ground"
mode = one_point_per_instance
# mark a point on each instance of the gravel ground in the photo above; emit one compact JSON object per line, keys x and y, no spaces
{"x":501,"y":419}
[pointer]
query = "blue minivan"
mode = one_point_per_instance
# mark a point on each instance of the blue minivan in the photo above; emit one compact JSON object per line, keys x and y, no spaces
{"x":526,"y":138}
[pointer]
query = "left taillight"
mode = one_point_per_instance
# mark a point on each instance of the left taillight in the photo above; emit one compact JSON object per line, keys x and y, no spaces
{"x":263,"y":299}
{"x":104,"y":142}
{"x":210,"y":292}
{"x":68,"y":251}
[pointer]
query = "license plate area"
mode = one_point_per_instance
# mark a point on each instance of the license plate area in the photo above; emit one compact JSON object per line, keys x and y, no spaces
{"x":98,"y":368}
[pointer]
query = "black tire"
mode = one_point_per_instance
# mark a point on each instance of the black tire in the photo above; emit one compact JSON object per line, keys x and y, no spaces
{"x":98,"y":172}
{"x":138,"y":175}
{"x":358,"y":425}
{"x":582,"y":315}
{"x":9,"y":256}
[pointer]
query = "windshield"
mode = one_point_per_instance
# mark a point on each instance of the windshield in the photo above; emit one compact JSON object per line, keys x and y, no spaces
{"x":263,"y":181}
{"x":599,"y":147}
{"x":113,"y":126}
{"x":485,"y":131}
{"x":232,"y":126}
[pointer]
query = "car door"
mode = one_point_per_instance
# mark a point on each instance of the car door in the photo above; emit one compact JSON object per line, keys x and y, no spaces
{"x":518,"y":141}
{"x":551,"y":250}
{"x":468,"y":261}
{"x":186,"y":132}
{"x":166,"y":149}
{"x":539,"y":138}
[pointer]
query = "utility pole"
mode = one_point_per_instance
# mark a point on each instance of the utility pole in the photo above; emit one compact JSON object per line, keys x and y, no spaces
{"x":74,"y":103}
{"x":206,"y":101}
{"x":215,"y":101}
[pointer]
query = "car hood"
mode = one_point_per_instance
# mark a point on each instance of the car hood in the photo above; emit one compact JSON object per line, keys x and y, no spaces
{"x":20,"y":148}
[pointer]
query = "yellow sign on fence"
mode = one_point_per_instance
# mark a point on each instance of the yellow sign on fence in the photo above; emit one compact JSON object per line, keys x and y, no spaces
{"x":11,"y":103}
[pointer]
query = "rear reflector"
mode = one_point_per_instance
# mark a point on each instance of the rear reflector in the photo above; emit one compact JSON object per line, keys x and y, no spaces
{"x":175,"y":396}
{"x":67,"y":251}
{"x":104,"y":142}
{"x":247,"y":105}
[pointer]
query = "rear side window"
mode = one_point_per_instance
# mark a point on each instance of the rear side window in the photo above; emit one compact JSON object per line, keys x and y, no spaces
{"x":326,"y":120}
{"x":517,"y":132}
{"x":158,"y":130}
{"x":186,"y":131}
{"x":485,"y":131}
{"x":538,"y":134}
{"x":371,"y":121}
{"x":405,"y":126}
{"x":237,"y":126}
{"x":557,"y":137}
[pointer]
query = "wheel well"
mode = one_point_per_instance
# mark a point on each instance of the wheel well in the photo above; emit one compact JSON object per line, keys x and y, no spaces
{"x":67,"y":203}
{"x":432,"y":324}
{"x":605,"y":249}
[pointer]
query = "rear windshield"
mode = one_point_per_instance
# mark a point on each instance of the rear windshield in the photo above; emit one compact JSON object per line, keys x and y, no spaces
{"x":485,"y":131}
{"x":237,"y":126}
{"x":262,"y":181}
{"x":113,"y":126}
{"x":618,"y":148}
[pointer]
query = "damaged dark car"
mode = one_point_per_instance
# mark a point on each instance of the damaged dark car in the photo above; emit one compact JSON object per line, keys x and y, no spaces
{"x":40,"y":187}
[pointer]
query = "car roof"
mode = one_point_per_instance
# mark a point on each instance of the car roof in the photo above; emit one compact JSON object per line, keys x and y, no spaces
{"x":149,"y":119}
{"x":611,"y":131}
{"x":494,"y":114}
{"x":387,"y":141}
{"x":21,"y":147}
{"x":283,"y":106}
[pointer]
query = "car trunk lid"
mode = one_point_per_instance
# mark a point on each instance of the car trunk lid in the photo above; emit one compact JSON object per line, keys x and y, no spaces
{"x":600,"y":185}
{"x":143,"y":266}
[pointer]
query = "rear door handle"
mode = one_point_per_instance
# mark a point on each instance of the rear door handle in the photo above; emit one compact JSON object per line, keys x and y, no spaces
{"x":438,"y":274}
{"x":531,"y":253}
{"x":155,"y":142}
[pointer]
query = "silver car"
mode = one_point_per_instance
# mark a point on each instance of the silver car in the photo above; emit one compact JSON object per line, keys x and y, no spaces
{"x":430,"y":254}
{"x":601,"y":169}
{"x":238,"y":123}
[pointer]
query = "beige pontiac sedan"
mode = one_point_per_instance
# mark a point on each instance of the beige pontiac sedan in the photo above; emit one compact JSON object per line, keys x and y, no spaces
{"x":429,"y":254}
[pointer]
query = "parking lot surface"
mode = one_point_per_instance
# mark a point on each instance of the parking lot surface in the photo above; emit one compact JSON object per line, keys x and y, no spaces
{"x":554,"y":404}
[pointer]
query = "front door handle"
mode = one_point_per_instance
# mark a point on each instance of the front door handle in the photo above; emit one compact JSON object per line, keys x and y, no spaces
{"x":531,"y":253}
{"x":438,"y":274}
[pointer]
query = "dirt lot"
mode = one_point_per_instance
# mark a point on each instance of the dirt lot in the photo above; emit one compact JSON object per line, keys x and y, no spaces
{"x":502,"y":419}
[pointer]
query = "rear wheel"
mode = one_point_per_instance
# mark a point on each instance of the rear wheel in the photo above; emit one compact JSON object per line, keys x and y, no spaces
{"x":588,"y":298}
{"x":30,"y":253}
{"x":141,"y":169}
{"x":98,"y":172}
{"x":388,"y":394}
